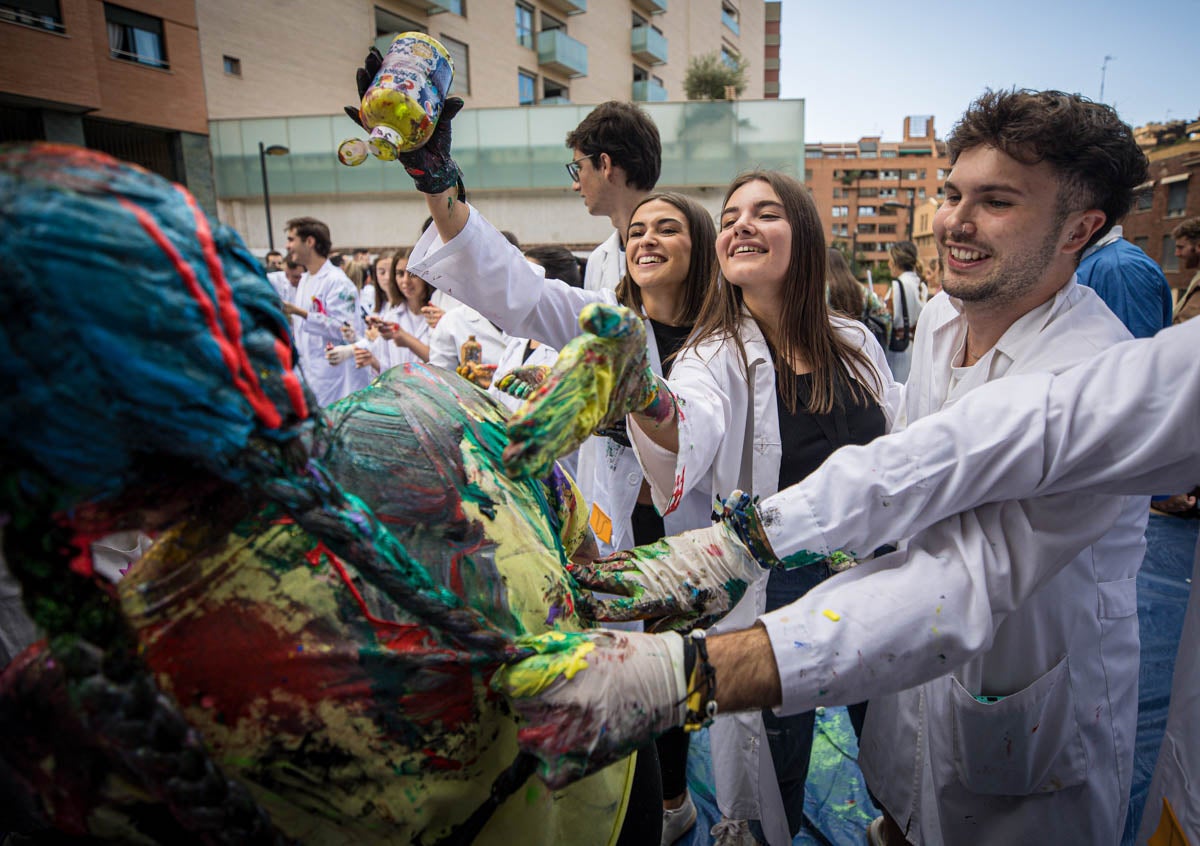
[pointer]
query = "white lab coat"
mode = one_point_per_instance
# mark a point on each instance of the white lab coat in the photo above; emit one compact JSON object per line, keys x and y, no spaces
{"x":389,"y":353}
{"x":729,"y":439}
{"x":1120,"y":422}
{"x":331,"y":300}
{"x":453,"y":330}
{"x":605,"y":266}
{"x":483,"y":269}
{"x":1031,"y":599}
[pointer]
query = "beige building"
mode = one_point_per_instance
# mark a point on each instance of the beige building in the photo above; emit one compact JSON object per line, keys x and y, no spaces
{"x":869,"y":191}
{"x":280,"y":71}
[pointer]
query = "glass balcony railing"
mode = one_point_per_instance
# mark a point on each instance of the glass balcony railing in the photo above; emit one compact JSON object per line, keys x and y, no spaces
{"x":704,"y":143}
{"x":562,"y":54}
{"x":648,"y":45}
{"x":648,"y":91}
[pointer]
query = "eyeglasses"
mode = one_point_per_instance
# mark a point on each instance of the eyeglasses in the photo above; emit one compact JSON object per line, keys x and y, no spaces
{"x":573,"y":167}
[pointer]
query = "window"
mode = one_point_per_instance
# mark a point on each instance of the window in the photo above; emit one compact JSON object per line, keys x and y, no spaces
{"x":526,"y":85}
{"x":638,"y":20}
{"x":889,"y":174}
{"x":41,"y":14}
{"x":1144,"y":200}
{"x":549,"y":23}
{"x":812,"y":154}
{"x":134,"y":37}
{"x":887,"y":193}
{"x":911,"y":176}
{"x":462,"y":64}
{"x":841,"y":211}
{"x":640,"y":75}
{"x":866,"y":211}
{"x":942,"y":173}
{"x":387,"y":23}
{"x":554,"y":92}
{"x":730,"y":58}
{"x":866,"y":229}
{"x":525,"y":25}
{"x":808,"y":174}
{"x":1170,"y":261}
{"x":729,"y":17}
{"x":887,"y":229}
{"x":456,"y":7}
{"x":1177,"y":198}
{"x":868,"y":192}
{"x":889,"y":154}
{"x":233,"y":66}
{"x":920,"y":193}
{"x":1142,"y":242}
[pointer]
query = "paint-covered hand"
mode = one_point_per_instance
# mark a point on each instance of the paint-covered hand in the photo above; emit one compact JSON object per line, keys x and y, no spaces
{"x":431,"y":166}
{"x":689,"y":580}
{"x":477,"y":374}
{"x":521,"y":382}
{"x":589,"y":699}
{"x":340,"y":354}
{"x":599,"y":377}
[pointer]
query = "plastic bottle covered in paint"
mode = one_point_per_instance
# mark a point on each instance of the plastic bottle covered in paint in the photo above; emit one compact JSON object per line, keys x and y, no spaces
{"x":403,"y":104}
{"x":471,"y":351}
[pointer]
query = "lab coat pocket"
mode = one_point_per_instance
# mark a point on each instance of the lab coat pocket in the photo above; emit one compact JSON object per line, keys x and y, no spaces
{"x":1028,"y":742}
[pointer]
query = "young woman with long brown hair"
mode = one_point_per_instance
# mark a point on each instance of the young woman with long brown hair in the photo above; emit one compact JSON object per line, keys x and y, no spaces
{"x":768,"y":385}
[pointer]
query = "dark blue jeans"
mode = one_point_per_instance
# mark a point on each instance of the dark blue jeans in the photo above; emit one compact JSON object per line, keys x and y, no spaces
{"x":790,"y":738}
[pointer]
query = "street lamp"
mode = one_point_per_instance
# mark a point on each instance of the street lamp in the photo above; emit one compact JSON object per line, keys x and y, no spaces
{"x":911,"y":206}
{"x":263,"y":152}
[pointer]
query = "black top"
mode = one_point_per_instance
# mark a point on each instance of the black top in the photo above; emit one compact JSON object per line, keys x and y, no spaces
{"x":669,"y":339}
{"x":808,"y":439}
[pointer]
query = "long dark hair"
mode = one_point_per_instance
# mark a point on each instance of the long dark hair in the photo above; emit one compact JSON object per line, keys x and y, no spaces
{"x":381,"y":297}
{"x":804,"y":327}
{"x":846,"y":295}
{"x":702,"y":270}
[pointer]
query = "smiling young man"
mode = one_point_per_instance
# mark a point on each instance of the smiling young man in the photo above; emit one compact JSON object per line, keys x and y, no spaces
{"x":999,"y":648}
{"x":616,"y":156}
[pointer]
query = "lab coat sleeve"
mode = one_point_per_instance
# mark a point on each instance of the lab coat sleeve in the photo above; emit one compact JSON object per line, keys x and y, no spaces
{"x":443,"y":352}
{"x":483,"y":270}
{"x":905,"y":618}
{"x":701,"y":389}
{"x":1121,"y":423}
{"x":337,"y":303}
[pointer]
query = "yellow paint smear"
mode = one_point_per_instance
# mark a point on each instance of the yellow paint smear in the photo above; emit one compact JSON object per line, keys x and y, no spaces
{"x":833,"y":615}
{"x":536,"y":673}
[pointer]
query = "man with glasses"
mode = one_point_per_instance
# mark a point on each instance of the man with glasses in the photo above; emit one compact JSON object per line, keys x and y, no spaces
{"x":616,"y":158}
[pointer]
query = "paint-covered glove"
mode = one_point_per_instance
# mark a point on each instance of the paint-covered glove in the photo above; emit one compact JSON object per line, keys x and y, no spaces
{"x":338,"y":355}
{"x":431,"y":167}
{"x":599,"y":377}
{"x":589,"y":699}
{"x":477,"y":374}
{"x":691,"y":580}
{"x":521,"y":382}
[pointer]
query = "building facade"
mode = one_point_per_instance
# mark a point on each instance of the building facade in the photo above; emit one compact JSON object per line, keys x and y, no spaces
{"x":1169,"y":197}
{"x":124,"y":79}
{"x":279,"y":73}
{"x":868,"y":192}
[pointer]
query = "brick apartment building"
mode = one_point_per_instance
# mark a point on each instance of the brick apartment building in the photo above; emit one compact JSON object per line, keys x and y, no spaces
{"x":870,"y":192}
{"x":1170,"y":196}
{"x":125,"y":79}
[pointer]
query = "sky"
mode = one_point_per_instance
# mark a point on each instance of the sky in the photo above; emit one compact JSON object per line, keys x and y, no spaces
{"x":862,"y":66}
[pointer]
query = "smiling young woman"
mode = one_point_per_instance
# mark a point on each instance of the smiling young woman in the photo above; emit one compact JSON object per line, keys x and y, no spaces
{"x":768,"y":385}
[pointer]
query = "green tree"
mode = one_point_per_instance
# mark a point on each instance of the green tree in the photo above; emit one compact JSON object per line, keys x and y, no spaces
{"x":709,"y":75}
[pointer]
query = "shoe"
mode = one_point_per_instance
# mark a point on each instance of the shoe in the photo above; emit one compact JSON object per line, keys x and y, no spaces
{"x":875,"y":832}
{"x":679,"y":821}
{"x":732,"y":833}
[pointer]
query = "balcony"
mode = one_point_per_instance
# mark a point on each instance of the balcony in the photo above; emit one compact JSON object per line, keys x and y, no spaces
{"x":650,"y":7}
{"x":568,"y":7}
{"x":648,"y":91}
{"x":648,"y":45}
{"x":561,"y":54}
{"x":434,"y":7}
{"x":557,"y":100}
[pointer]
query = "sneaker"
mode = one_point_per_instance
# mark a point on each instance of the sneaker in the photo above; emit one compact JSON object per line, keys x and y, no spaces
{"x":732,"y":833}
{"x":679,"y":821}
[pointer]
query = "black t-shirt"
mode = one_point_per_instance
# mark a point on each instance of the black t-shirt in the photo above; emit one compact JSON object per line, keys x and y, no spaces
{"x":808,"y":439}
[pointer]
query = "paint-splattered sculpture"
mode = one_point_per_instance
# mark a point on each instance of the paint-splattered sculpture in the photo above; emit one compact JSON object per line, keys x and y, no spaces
{"x":305,"y":654}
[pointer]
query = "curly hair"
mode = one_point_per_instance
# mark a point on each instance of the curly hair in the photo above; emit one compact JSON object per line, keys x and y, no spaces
{"x":628,"y":135}
{"x":1189,"y":229}
{"x":1092,"y":151}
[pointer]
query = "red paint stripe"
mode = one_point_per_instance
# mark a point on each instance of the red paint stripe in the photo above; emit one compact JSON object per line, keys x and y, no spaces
{"x":232,"y":322}
{"x":185,"y":271}
{"x":291,"y":382}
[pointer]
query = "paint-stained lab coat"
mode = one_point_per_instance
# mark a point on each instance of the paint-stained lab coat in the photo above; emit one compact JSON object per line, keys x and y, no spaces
{"x":331,"y":300}
{"x":1122,"y":422}
{"x":1031,"y":600}
{"x":482,"y":269}
{"x":729,"y":439}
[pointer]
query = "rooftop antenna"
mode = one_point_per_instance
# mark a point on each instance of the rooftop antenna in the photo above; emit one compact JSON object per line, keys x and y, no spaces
{"x":1103,"y":68}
